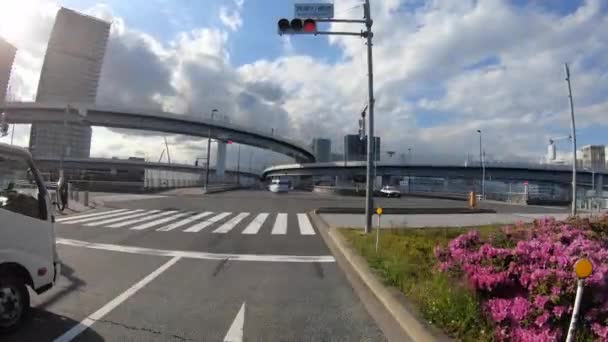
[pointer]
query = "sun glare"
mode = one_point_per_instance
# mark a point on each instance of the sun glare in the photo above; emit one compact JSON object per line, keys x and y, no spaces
{"x":15,"y":18}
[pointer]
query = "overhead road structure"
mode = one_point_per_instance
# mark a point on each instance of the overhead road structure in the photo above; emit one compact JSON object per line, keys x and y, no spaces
{"x":115,"y":117}
{"x":508,"y":171}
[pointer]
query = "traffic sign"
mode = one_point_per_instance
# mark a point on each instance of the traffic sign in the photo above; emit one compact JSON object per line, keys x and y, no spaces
{"x":379,"y":211}
{"x":314,"y":10}
{"x":583,"y":268}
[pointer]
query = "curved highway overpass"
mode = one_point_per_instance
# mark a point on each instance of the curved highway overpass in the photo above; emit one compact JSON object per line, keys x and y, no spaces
{"x":530,"y":172}
{"x":107,"y":116}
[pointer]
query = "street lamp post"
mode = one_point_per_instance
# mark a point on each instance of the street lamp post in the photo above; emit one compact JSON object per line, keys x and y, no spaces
{"x":573,"y":133}
{"x":483,"y":167}
{"x":209,"y":151}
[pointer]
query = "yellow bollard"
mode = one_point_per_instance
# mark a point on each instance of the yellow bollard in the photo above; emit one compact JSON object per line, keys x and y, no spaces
{"x":472,"y":200}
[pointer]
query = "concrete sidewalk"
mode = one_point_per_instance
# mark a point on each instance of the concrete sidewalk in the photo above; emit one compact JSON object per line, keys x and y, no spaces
{"x":438,"y":220}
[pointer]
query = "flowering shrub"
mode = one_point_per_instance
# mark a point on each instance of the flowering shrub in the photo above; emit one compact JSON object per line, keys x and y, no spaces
{"x":525,"y":279}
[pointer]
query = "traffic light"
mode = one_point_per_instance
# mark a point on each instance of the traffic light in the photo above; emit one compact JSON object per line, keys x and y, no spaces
{"x":297,"y":26}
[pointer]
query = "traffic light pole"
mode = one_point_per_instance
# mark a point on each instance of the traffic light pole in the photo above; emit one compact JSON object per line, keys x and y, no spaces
{"x":284,"y":28}
{"x":370,"y":175}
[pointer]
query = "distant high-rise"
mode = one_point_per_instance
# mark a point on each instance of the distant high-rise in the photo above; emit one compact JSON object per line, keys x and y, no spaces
{"x":356,"y":149}
{"x":7,"y":57}
{"x":321,"y":148}
{"x":70,"y":74}
{"x":594,"y":157}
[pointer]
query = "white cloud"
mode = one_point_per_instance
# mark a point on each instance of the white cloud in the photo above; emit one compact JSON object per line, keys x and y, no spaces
{"x":423,"y":71}
{"x":231,"y":18}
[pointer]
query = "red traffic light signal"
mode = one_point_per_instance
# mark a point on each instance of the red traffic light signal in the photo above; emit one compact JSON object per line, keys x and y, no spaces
{"x":297,"y":25}
{"x":310,"y":26}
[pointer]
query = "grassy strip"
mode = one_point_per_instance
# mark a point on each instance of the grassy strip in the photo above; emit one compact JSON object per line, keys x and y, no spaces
{"x":406,"y":260}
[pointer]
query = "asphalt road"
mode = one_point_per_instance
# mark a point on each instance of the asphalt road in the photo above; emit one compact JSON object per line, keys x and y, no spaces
{"x":278,"y":282}
{"x":236,"y":266}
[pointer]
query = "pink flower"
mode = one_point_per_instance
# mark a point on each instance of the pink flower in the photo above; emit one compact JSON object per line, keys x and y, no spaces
{"x":540,"y":301}
{"x":529,"y":289}
{"x":519,"y":308}
{"x":541,"y":320}
{"x":558,"y":311}
{"x":600,"y":330}
{"x":499,"y":309}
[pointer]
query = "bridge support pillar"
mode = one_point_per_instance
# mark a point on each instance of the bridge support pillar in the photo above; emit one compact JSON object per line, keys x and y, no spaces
{"x":220,"y":163}
{"x":386,"y":180}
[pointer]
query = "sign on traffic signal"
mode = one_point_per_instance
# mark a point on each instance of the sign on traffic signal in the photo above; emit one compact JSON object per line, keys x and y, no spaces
{"x":297,"y":26}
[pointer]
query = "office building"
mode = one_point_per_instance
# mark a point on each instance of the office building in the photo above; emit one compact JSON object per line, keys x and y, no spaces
{"x":355,"y":148}
{"x":70,"y":74}
{"x":7,"y":57}
{"x":594,"y":157}
{"x":321,"y":148}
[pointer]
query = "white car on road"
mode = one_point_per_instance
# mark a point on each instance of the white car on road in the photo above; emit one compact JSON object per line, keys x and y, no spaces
{"x":279,"y":185}
{"x":390,"y":191}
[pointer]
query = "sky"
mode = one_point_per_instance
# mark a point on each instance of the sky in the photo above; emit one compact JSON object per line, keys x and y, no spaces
{"x":442,"y":70}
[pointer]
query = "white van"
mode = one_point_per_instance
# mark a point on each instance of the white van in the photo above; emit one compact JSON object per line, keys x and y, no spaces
{"x":28,"y":256}
{"x":279,"y":185}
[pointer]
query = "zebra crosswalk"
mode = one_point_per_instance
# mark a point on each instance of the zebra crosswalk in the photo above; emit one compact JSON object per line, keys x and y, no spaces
{"x":194,"y":222}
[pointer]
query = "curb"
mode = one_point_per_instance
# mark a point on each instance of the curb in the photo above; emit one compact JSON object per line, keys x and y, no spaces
{"x":406,"y":211}
{"x":357,"y":270}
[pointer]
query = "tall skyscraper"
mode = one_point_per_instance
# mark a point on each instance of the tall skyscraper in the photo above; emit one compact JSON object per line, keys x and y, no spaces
{"x":7,"y":57}
{"x":594,"y":157}
{"x":355,"y":149}
{"x":70,"y":74}
{"x":321,"y":148}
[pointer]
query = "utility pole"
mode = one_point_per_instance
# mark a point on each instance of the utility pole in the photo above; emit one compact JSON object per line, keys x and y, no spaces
{"x":573,"y":133}
{"x":369,"y":193}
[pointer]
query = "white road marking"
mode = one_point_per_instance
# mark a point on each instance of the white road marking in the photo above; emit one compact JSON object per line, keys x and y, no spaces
{"x":196,"y":255}
{"x":256,"y":224}
{"x":117,"y":219}
{"x":111,"y":305}
{"x":89,"y":219}
{"x":142,"y":219}
{"x":226,"y":227}
{"x":184,"y":222}
{"x":160,"y":221}
{"x":305,"y":225}
{"x":235,"y":333}
{"x":75,"y":217}
{"x":202,"y":225}
{"x":280,"y":224}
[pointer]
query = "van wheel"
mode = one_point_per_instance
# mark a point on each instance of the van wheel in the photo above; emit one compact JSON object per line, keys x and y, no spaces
{"x":14,"y":302}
